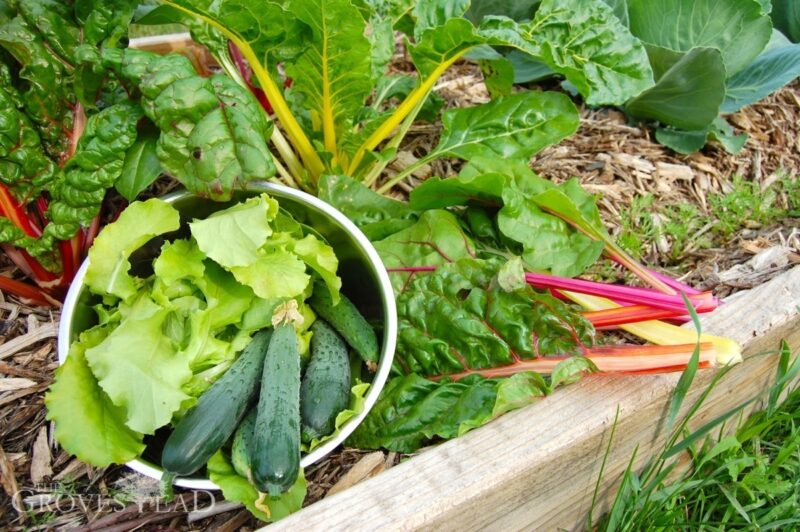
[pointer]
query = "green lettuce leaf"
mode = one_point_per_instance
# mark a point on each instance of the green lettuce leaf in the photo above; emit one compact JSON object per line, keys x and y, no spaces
{"x":87,"y":424}
{"x":322,"y":259}
{"x":108,"y":257}
{"x":245,"y":227}
{"x":276,"y":273}
{"x":139,"y":369}
{"x":459,"y":318}
{"x":238,"y":489}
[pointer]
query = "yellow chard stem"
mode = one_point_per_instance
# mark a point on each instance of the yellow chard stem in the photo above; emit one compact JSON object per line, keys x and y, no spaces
{"x":662,"y":333}
{"x":385,"y":129}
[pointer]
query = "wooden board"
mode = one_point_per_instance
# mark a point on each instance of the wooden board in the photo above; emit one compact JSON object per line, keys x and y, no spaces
{"x":536,"y":468}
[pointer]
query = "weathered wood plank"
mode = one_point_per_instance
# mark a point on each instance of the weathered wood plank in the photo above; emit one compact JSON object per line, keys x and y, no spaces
{"x":536,"y":468}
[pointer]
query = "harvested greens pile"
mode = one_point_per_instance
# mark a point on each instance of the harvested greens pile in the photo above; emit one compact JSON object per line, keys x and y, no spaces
{"x":177,"y":347}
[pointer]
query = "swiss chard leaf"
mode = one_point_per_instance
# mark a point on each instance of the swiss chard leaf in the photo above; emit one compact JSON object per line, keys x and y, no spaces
{"x":436,"y":239}
{"x":459,"y":318}
{"x":334,"y":72}
{"x":415,"y":410}
{"x":95,"y":167}
{"x":139,"y":169}
{"x":513,"y":127}
{"x":213,"y":131}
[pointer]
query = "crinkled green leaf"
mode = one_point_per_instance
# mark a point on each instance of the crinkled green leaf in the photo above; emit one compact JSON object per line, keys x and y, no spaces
{"x":25,"y":168}
{"x":139,"y":369}
{"x":87,"y":424}
{"x":769,"y":72}
{"x":238,"y":489}
{"x":139,"y":169}
{"x":214,"y":133}
{"x":459,"y":318}
{"x":233,"y":237}
{"x":688,"y":95}
{"x":95,"y":167}
{"x":411,"y":410}
{"x":38,"y":248}
{"x":436,"y":239}
{"x":737,"y":28}
{"x":108,"y":257}
{"x":47,"y":99}
{"x":516,"y":126}
{"x":582,"y":40}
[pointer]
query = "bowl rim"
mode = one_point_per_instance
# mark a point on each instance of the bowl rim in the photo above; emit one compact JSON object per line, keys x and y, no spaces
{"x":387,"y":348}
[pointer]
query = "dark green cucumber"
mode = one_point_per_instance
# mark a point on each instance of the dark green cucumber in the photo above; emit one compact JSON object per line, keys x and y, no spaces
{"x":276,"y":437}
{"x":206,"y":427}
{"x":348,"y":321}
{"x":325,"y":390}
{"x":243,"y":444}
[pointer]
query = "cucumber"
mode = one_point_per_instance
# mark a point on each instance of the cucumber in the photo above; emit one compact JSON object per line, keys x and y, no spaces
{"x":325,"y":390}
{"x":275,"y":455}
{"x":243,"y":444}
{"x":348,"y":321}
{"x":206,"y":427}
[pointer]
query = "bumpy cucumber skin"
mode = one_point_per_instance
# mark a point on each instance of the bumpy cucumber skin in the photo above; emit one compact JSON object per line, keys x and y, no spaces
{"x":243,"y":444}
{"x":276,"y":437}
{"x":325,"y":390}
{"x":348,"y":321}
{"x":206,"y":427}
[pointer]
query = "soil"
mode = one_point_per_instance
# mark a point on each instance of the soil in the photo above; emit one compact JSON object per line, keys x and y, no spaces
{"x":611,"y":156}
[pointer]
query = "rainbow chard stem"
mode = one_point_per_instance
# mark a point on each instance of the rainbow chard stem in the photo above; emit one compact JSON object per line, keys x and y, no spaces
{"x":622,"y":359}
